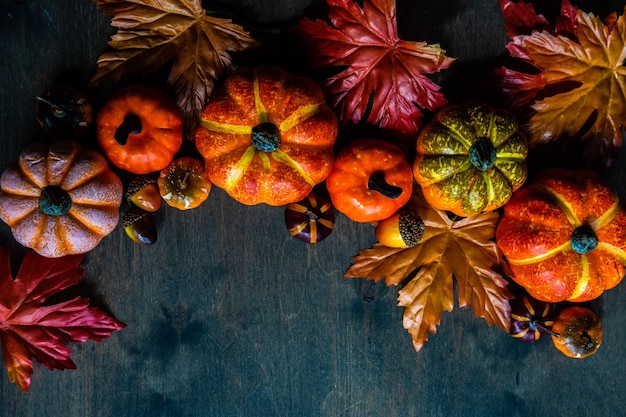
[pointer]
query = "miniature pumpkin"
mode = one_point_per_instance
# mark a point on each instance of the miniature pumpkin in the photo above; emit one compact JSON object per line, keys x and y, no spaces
{"x":577,"y":332}
{"x":312,"y":219}
{"x":140,"y":129}
{"x":370,"y":180}
{"x":64,"y":112}
{"x":267,"y":136}
{"x":470,"y":158}
{"x":564,"y":236}
{"x":60,"y":199}
{"x":530,"y":318}
{"x":183,"y":184}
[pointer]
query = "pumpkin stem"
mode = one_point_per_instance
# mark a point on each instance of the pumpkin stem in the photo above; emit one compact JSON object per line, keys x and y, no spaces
{"x":482,"y":153}
{"x":130,"y":125}
{"x":184,"y":181}
{"x":311,"y":214}
{"x":583,"y":239}
{"x":378,"y":183}
{"x":265,"y":137}
{"x":57,"y":110}
{"x":536,"y":323}
{"x":54,"y":201}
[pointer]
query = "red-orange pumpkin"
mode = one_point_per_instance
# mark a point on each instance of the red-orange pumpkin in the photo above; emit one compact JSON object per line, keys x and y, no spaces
{"x":370,"y":180}
{"x":564,"y":236}
{"x":140,"y":129}
{"x":267,"y":136}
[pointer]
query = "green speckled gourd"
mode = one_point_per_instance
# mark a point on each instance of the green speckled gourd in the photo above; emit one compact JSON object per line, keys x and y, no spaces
{"x":470,"y":158}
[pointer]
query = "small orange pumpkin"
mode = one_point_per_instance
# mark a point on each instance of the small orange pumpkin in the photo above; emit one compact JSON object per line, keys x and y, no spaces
{"x":183,"y":184}
{"x":140,"y":129}
{"x":564,"y":236}
{"x":267,"y":136}
{"x":577,"y":332}
{"x":60,"y":199}
{"x":370,"y":180}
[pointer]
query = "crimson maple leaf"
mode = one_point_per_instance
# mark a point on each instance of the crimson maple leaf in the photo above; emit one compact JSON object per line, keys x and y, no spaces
{"x":578,"y":88}
{"x":31,"y":329}
{"x":376,"y":65}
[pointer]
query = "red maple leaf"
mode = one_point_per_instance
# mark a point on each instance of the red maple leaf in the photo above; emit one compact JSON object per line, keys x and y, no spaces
{"x":520,"y":19}
{"x":31,"y":329}
{"x":377,"y":67}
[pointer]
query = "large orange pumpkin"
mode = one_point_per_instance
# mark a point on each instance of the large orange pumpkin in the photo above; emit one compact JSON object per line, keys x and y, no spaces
{"x":564,"y":236}
{"x":60,"y":199}
{"x":267,"y":136}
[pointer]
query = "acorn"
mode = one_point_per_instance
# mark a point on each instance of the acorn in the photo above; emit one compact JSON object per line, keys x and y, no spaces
{"x":402,"y":230}
{"x":530,"y":318}
{"x":139,"y":226}
{"x":64,"y":112}
{"x":142,"y":192}
{"x":312,"y":219}
{"x":577,"y":332}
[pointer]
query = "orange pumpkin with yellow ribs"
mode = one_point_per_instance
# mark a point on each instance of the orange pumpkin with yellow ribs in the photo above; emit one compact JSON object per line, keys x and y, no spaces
{"x":564,"y":236}
{"x":267,"y":136}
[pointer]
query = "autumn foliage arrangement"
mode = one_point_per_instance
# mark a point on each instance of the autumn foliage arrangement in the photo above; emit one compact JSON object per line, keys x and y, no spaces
{"x":447,"y":193}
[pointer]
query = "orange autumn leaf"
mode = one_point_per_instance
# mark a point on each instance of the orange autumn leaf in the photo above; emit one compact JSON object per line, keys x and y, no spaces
{"x":579,"y":90}
{"x":450,"y":249}
{"x":152,"y":33}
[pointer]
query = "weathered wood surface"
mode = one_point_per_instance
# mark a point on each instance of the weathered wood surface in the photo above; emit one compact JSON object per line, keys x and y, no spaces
{"x":229,"y":316}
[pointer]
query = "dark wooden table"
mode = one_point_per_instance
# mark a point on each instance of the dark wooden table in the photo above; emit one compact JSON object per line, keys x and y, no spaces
{"x":230,"y":316}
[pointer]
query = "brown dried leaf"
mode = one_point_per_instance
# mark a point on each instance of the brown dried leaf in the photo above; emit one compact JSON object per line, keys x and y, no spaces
{"x":152,"y":33}
{"x":461,"y":248}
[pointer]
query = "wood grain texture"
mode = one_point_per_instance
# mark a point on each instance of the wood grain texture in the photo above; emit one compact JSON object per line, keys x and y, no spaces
{"x":228,"y":315}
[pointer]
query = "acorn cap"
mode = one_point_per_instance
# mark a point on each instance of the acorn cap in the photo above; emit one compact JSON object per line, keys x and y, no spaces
{"x":411,"y":228}
{"x":137,"y":183}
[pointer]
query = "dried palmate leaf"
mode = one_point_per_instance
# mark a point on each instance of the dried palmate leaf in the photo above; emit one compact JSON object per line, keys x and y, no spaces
{"x":577,"y":88}
{"x":463,"y":249}
{"x":152,"y":33}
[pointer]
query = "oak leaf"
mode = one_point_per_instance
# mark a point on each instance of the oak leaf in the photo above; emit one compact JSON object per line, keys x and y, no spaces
{"x":32,"y":327}
{"x":153,"y":33}
{"x":577,"y":88}
{"x":463,"y":249}
{"x":381,"y":79}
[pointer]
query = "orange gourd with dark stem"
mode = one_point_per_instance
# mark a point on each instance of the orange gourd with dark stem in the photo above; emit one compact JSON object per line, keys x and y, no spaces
{"x":60,"y":199}
{"x":577,"y":332}
{"x":564,"y":236}
{"x":267,"y":136}
{"x":140,"y":129}
{"x":371,"y":179}
{"x":183,"y":184}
